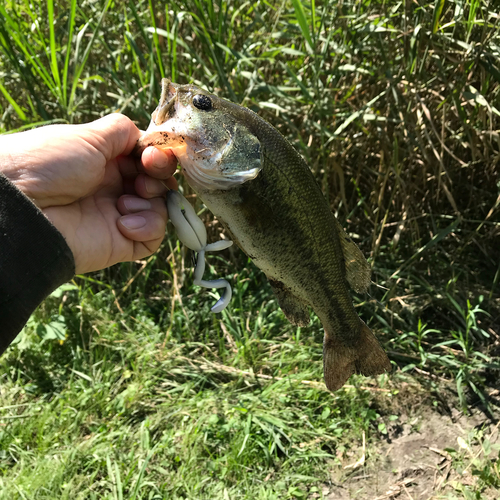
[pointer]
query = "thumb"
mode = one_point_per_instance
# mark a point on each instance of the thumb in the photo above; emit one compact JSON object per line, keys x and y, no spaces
{"x":113,"y":135}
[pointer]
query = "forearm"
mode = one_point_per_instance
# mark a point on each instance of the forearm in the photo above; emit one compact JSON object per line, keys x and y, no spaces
{"x":34,"y":260}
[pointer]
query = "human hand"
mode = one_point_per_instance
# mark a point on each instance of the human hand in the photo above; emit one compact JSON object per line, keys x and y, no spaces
{"x":108,"y":206}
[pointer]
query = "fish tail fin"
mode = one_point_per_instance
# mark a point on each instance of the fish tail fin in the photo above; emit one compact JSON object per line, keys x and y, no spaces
{"x":372,"y":359}
{"x":340,"y":361}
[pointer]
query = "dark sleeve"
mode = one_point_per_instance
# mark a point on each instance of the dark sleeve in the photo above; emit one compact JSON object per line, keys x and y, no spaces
{"x":34,"y":260}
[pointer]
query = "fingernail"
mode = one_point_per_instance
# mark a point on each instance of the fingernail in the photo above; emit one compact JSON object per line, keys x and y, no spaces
{"x":133,"y":221}
{"x":154,"y":186}
{"x":160,"y":159}
{"x":136,"y":204}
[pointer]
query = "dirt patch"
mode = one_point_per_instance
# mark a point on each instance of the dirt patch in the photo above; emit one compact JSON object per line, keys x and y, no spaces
{"x":413,"y":462}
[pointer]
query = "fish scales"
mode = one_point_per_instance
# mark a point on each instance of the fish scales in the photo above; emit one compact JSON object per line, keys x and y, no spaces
{"x":291,"y":215}
{"x":264,"y":193}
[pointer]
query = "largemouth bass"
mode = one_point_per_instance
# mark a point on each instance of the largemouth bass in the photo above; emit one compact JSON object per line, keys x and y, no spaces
{"x":260,"y":188}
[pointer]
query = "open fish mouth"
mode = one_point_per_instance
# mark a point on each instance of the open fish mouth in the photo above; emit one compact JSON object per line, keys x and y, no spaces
{"x":167,"y":103}
{"x":156,"y":135}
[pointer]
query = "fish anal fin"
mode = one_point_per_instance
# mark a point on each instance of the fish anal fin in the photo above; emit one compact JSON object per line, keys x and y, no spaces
{"x":358,"y":271}
{"x":340,"y":361}
{"x":295,"y":310}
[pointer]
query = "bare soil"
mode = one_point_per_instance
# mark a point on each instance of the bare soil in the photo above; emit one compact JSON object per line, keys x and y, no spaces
{"x":413,"y":463}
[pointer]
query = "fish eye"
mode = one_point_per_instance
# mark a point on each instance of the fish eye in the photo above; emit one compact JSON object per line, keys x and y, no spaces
{"x":202,"y":102}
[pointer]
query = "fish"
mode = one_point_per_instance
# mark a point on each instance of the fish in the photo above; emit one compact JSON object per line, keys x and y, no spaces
{"x":261,"y":189}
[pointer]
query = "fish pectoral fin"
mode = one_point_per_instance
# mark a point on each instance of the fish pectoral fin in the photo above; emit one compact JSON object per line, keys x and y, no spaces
{"x":295,"y":310}
{"x":358,"y":271}
{"x":340,"y":361}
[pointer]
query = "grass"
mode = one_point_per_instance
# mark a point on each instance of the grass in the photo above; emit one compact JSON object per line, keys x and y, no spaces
{"x":236,"y":408}
{"x":124,"y":385}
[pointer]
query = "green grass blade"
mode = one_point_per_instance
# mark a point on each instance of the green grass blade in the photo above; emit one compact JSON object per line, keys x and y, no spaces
{"x":171,"y":37}
{"x":79,"y":67}
{"x":434,"y":241}
{"x":71,"y":22}
{"x":135,"y":48}
{"x":119,"y":485}
{"x":357,"y":114}
{"x":301,"y":85}
{"x":53,"y":52}
{"x":32,"y":125}
{"x":140,"y":25}
{"x":202,"y":31}
{"x":142,"y":471}
{"x":438,"y":9}
{"x":13,"y":103}
{"x":155,"y":40}
{"x":313,"y":16}
{"x":473,"y":7}
{"x":171,"y":45}
{"x":15,"y":33}
{"x":303,"y":24}
{"x":137,"y":56}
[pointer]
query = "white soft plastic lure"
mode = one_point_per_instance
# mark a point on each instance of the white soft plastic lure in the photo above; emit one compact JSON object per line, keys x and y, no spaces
{"x":191,"y":231}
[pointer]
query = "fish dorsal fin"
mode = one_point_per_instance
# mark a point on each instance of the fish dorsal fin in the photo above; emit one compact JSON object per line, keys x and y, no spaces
{"x":357,"y":270}
{"x":295,"y":310}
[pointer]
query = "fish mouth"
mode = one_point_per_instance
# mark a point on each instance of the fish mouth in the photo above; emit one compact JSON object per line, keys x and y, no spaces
{"x":164,"y":111}
{"x":167,"y":102}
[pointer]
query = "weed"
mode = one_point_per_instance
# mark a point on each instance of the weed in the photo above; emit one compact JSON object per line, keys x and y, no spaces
{"x":124,"y":385}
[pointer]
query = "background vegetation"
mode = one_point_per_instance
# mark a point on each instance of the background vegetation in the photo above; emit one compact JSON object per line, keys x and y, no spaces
{"x":124,"y":385}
